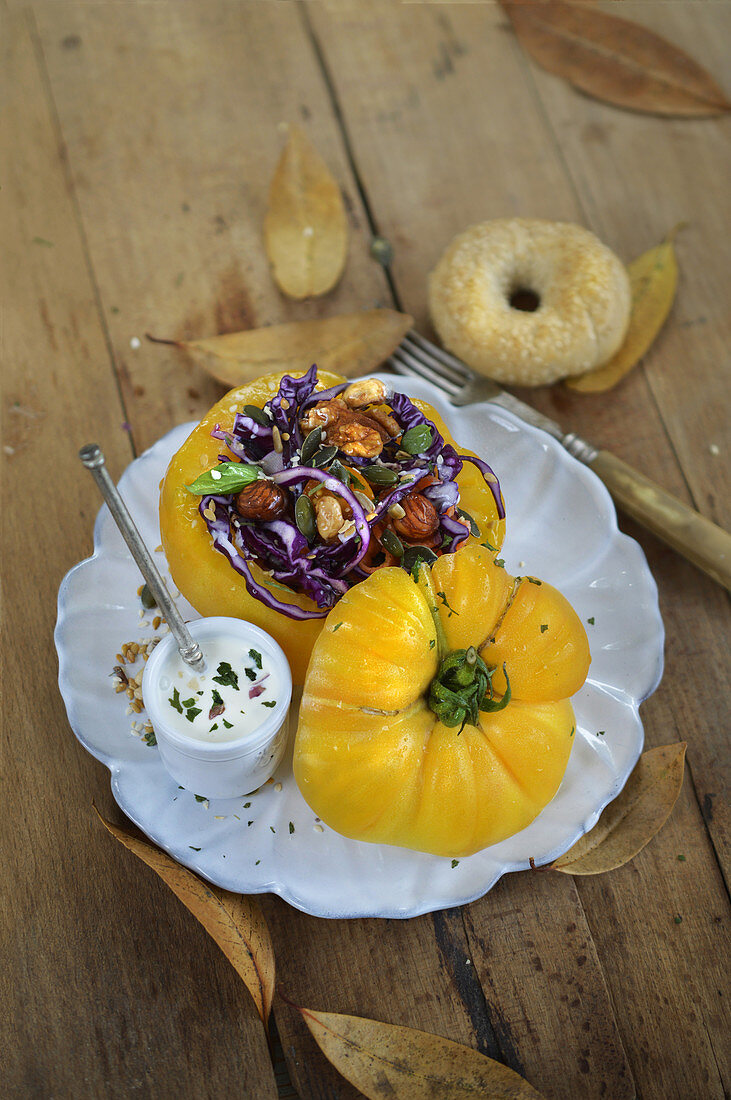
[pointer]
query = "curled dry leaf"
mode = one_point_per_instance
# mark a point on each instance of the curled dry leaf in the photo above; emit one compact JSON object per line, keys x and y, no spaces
{"x":615,"y":60}
{"x":351,"y":344}
{"x":306,"y":229}
{"x":389,"y":1061}
{"x":235,"y":922}
{"x":653,"y":277}
{"x":631,"y":821}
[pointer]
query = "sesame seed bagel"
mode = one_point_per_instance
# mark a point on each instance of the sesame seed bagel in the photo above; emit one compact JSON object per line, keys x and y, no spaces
{"x":529,"y":301}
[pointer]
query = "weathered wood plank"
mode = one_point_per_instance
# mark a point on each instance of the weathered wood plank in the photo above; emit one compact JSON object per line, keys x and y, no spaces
{"x":172,"y":173}
{"x":536,"y":960}
{"x":91,"y":989}
{"x":403,"y":972}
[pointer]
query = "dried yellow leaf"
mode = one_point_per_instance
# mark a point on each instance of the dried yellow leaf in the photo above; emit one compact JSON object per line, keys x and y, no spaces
{"x":388,"y":1061}
{"x":631,"y":820}
{"x":306,"y":229}
{"x":234,"y":921}
{"x":653,"y":278}
{"x":351,"y":344}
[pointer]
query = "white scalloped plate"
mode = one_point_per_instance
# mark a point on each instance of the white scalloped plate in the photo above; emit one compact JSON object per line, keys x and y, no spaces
{"x":561,"y":527}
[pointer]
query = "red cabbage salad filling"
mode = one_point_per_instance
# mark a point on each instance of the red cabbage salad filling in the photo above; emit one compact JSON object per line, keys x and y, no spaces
{"x":326,"y":486}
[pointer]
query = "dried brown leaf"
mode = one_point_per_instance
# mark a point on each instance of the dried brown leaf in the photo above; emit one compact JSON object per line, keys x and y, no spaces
{"x":653,"y":277}
{"x":306,"y":228}
{"x":615,"y":60}
{"x":633,"y":818}
{"x":389,"y":1061}
{"x":234,"y":921}
{"x":351,"y":344}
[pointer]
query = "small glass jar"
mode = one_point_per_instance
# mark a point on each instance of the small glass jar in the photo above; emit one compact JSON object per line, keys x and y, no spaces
{"x":226,"y":768}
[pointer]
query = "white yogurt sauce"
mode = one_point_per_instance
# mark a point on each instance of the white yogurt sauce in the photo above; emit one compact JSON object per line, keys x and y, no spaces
{"x":239,"y":678}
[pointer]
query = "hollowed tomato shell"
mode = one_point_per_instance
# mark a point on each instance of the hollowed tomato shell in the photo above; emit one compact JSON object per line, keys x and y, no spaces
{"x":206,"y":578}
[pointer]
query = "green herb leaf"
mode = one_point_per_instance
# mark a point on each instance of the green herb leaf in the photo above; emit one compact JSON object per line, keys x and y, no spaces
{"x":416,"y":556}
{"x":175,"y":701}
{"x":200,"y":798}
{"x":533,"y":580}
{"x":217,"y":700}
{"x":544,"y":628}
{"x":228,"y":477}
{"x":291,"y":827}
{"x":451,"y":610}
{"x":591,"y":621}
{"x":192,"y":713}
{"x":455,"y":862}
{"x":228,"y":725}
{"x":500,"y":563}
{"x":272,"y":703}
{"x":432,"y":643}
{"x":489,"y":546}
{"x":193,"y":848}
{"x":256,"y":657}
{"x":417,"y":440}
{"x":188,"y":703}
{"x":150,"y":738}
{"x":336,"y":627}
{"x":213,"y":727}
{"x":250,"y":673}
{"x":226,"y":676}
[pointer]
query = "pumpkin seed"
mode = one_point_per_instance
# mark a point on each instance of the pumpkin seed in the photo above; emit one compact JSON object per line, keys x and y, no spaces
{"x":379,"y":475}
{"x":324,"y":455}
{"x":417,"y":440}
{"x":310,"y":445}
{"x":474,"y":529}
{"x":304,"y":516}
{"x":415,"y":556}
{"x":339,"y":471}
{"x":257,"y":414}
{"x":147,"y":598}
{"x":391,"y":542}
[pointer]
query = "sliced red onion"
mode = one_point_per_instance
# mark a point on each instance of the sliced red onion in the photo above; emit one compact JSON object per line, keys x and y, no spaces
{"x":491,"y":479}
{"x":310,"y":473}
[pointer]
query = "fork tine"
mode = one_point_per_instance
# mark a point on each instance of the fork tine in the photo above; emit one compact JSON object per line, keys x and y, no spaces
{"x":454,"y":365}
{"x":412,"y":348}
{"x":404,"y":360}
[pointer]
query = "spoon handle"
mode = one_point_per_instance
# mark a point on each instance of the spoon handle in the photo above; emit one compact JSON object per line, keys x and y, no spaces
{"x":92,"y":457}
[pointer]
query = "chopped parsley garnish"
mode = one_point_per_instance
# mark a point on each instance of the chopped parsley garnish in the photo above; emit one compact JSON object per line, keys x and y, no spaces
{"x":257,"y":863}
{"x":600,"y":733}
{"x":213,"y":727}
{"x":246,"y":805}
{"x":226,"y":676}
{"x":272,"y":703}
{"x":455,"y":862}
{"x":591,"y":621}
{"x":175,"y":701}
{"x":678,"y":919}
{"x":250,"y":673}
{"x":432,"y":643}
{"x":192,"y":713}
{"x":217,"y":700}
{"x":337,"y":627}
{"x":533,"y":580}
{"x":150,"y":738}
{"x":451,"y":610}
{"x":681,"y":859}
{"x":256,"y":657}
{"x":489,"y":546}
{"x":193,"y":848}
{"x":228,"y":725}
{"x":188,"y":703}
{"x":500,"y":563}
{"x":544,"y":628}
{"x":291,"y":827}
{"x":200,"y":798}
{"x":573,"y":728}
{"x":272,"y":828}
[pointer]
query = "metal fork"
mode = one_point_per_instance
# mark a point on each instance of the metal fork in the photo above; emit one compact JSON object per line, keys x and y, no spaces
{"x":687,"y":531}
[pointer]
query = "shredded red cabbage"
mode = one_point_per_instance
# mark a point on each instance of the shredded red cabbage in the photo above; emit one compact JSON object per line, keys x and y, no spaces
{"x":305,"y":563}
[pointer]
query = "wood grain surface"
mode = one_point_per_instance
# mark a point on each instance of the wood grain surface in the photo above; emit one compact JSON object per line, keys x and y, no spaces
{"x":138,"y":141}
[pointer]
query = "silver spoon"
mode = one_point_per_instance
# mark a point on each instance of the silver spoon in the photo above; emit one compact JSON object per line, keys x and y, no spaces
{"x":92,"y":457}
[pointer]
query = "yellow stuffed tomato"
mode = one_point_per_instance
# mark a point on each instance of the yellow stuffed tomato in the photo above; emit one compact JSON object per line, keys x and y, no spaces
{"x":408,"y":731}
{"x":300,"y":559}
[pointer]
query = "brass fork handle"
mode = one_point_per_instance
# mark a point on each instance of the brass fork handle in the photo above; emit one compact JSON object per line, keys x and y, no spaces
{"x":691,"y":534}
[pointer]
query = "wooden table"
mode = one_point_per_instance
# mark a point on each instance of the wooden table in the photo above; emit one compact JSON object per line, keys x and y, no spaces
{"x":138,"y":145}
